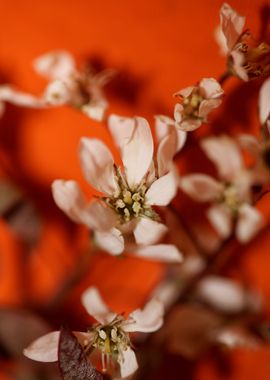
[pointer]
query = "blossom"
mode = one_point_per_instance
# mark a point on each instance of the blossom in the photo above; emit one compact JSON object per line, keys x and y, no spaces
{"x":110,"y":335}
{"x":196,"y":103}
{"x":246,"y":59}
{"x":128,"y":193}
{"x":80,"y":89}
{"x":230,"y":197}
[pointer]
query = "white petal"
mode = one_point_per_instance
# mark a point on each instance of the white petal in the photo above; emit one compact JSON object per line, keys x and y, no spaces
{"x":54,"y":65}
{"x":98,"y":165}
{"x":210,"y":88}
{"x":250,"y":143}
{"x":149,"y":319}
{"x":264,"y":103}
{"x":111,"y":241}
{"x":57,"y":93}
{"x":134,"y":138}
{"x":201,"y":187}
{"x":69,"y":198}
{"x":44,"y":349}
{"x":221,"y":40}
{"x":225,"y":154}
{"x":163,"y":125}
{"x":189,"y":125}
{"x":148,"y":231}
{"x":128,"y":364}
{"x":121,"y":129}
{"x":222,"y":293}
{"x":163,"y":190}
{"x":95,"y":306}
{"x":99,"y":217}
{"x":137,"y":152}
{"x":95,"y":110}
{"x":221,"y":219}
{"x":232,"y":24}
{"x":8,"y":94}
{"x":249,"y":222}
{"x":207,"y":106}
{"x":166,"y":151}
{"x":167,"y":253}
{"x":238,"y":60}
{"x":185,"y":92}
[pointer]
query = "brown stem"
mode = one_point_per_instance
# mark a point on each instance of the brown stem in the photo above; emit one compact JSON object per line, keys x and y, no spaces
{"x":223,"y":78}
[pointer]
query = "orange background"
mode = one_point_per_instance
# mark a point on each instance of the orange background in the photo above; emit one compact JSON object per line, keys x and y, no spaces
{"x":160,"y":46}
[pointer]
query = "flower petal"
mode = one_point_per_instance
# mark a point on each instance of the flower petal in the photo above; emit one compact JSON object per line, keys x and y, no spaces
{"x":147,"y":231}
{"x":222,"y":293}
{"x":189,"y":125}
{"x":111,"y":241}
{"x":55,"y":65}
{"x":69,"y":198}
{"x":238,"y":60}
{"x":149,"y":319}
{"x":8,"y":94}
{"x":167,"y":253}
{"x":166,"y":151}
{"x":44,"y":349}
{"x":128,"y":363}
{"x":134,"y":138}
{"x":185,"y":92}
{"x":95,"y":306}
{"x":232,"y":24}
{"x":95,"y":110}
{"x":225,"y":154}
{"x":221,"y":219}
{"x":264,"y":104}
{"x":201,"y":187}
{"x":163,"y":190}
{"x":57,"y":93}
{"x":207,"y":106}
{"x":210,"y":88}
{"x":250,"y":143}
{"x":250,"y":221}
{"x":98,"y":165}
{"x":165,"y":126}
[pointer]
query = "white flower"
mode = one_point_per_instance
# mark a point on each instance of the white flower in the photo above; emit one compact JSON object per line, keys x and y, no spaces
{"x":196,"y":103}
{"x":110,"y":335}
{"x":230,"y":197}
{"x":80,"y":89}
{"x":129,"y":192}
{"x":244,"y":60}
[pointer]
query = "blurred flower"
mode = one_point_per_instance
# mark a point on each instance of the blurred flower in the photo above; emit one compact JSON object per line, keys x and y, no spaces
{"x":110,"y":335}
{"x":230,"y":197}
{"x":246,"y":58}
{"x":226,"y":295}
{"x":259,"y":148}
{"x":80,"y":89}
{"x":196,"y":103}
{"x":128,"y":193}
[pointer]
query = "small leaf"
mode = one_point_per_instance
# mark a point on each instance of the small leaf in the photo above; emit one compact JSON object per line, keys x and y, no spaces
{"x":73,"y":363}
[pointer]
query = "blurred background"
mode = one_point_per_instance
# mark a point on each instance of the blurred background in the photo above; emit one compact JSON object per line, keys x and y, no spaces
{"x":157,"y":47}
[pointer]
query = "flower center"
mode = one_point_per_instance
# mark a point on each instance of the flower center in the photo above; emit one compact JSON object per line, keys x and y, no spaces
{"x":130,"y":203}
{"x":191,"y":105}
{"x":110,"y":339}
{"x":231,"y":197}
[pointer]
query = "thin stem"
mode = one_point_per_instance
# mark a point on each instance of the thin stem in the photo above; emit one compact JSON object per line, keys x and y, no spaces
{"x":223,"y":78}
